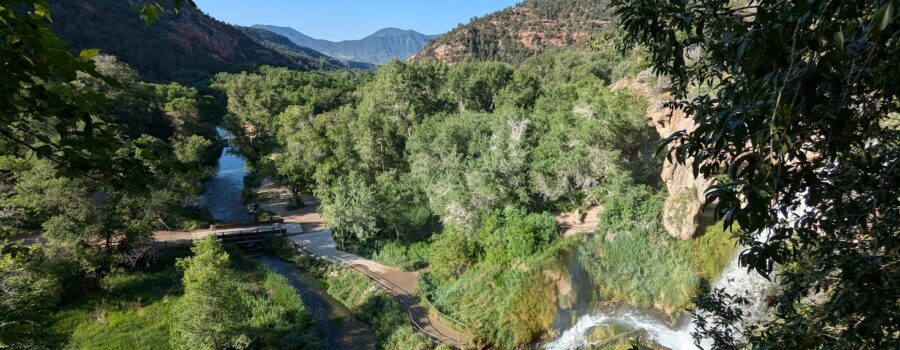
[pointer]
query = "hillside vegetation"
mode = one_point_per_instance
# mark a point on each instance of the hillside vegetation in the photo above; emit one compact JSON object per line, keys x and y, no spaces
{"x":521,"y":31}
{"x":300,"y":55}
{"x":179,"y":46}
{"x":378,"y":48}
{"x":458,"y":168}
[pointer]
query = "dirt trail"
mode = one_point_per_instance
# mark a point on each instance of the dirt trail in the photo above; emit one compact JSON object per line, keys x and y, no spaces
{"x":578,"y":222}
{"x":399,"y":283}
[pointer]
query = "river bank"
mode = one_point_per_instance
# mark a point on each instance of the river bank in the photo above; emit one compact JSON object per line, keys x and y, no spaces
{"x":336,"y":322}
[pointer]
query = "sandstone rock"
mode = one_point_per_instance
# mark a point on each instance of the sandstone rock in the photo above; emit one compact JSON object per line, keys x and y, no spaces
{"x":683,"y":210}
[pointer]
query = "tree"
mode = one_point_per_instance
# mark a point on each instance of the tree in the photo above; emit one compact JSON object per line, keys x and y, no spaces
{"x":794,"y":103}
{"x":27,"y":295}
{"x":475,"y":86}
{"x":351,"y":208}
{"x":190,"y":149}
{"x":41,"y":111}
{"x":211,"y":314}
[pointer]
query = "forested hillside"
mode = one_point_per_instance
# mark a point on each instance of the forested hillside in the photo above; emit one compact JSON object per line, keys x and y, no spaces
{"x":179,"y":45}
{"x":380,"y":47}
{"x":519,"y":32}
{"x":300,"y":55}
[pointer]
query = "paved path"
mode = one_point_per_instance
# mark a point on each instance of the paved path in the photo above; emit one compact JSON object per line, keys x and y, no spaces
{"x":401,"y":284}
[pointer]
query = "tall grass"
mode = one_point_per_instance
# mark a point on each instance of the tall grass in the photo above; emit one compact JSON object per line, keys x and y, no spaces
{"x":505,"y":306}
{"x":633,"y":260}
{"x":383,"y":312}
{"x":132,"y":310}
{"x":404,"y":256}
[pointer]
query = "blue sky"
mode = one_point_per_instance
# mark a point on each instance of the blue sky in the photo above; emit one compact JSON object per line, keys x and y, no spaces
{"x":352,"y":19}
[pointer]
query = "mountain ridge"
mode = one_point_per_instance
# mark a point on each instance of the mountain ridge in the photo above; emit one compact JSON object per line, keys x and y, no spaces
{"x":520,"y":31}
{"x":379,"y":47}
{"x":302,"y":54}
{"x":174,"y":47}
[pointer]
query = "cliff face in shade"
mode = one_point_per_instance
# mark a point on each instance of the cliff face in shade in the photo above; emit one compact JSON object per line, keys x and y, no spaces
{"x":521,"y":31}
{"x":380,"y":47}
{"x":179,"y":43}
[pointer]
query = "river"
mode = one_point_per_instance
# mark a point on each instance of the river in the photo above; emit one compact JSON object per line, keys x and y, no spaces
{"x":223,"y":191}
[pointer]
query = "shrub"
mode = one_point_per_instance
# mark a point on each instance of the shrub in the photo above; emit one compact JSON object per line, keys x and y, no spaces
{"x":405,"y":256}
{"x":508,"y":308}
{"x":211,"y":313}
{"x":383,"y":312}
{"x":513,"y":234}
{"x":632,"y":259}
{"x":451,"y":254}
{"x":278,"y":316}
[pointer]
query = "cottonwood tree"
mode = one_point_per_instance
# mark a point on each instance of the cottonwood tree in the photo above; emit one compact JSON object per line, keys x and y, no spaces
{"x":211,"y":313}
{"x":796,"y":104}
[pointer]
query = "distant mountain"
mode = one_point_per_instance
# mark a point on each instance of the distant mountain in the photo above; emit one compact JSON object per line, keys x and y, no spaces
{"x":380,"y":47}
{"x":298,"y":53}
{"x":521,"y":31}
{"x":178,"y":45}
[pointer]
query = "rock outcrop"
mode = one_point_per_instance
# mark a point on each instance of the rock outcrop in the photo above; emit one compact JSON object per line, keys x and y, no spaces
{"x":683,"y":211}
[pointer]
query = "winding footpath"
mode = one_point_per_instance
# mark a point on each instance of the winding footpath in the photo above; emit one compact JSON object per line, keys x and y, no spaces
{"x":307,"y":231}
{"x":401,"y":284}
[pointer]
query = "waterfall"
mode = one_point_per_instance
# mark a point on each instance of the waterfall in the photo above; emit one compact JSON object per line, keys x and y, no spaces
{"x":734,"y":280}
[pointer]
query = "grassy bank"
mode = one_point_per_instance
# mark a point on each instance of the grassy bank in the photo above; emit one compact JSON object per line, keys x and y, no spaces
{"x":368,"y":303}
{"x":136,"y":309}
{"x":633,"y":260}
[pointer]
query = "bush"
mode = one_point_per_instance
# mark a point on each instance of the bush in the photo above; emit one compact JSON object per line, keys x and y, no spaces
{"x":267,"y":216}
{"x":451,"y":254}
{"x":211,"y":313}
{"x":278,"y":316}
{"x":508,"y":308}
{"x":633,"y":260}
{"x":405,"y":256}
{"x":511,"y":235}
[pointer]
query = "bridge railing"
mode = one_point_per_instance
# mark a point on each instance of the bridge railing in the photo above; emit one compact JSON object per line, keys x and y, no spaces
{"x":392,"y":288}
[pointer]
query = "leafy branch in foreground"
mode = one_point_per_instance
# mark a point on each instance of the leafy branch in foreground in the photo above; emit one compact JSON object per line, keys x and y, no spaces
{"x":44,"y":113}
{"x":796,"y":102}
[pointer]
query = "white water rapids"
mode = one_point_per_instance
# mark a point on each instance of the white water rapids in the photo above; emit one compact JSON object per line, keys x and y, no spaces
{"x":734,"y":279}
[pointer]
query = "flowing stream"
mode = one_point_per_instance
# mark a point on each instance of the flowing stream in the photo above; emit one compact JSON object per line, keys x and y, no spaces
{"x":223,"y":191}
{"x":734,"y":279}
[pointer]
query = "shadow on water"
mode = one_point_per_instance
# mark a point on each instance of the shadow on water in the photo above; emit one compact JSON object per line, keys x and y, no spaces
{"x":341,"y":329}
{"x":223,"y":191}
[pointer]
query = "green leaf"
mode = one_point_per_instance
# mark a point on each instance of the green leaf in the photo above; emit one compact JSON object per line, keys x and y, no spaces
{"x":839,"y":39}
{"x":88,"y":54}
{"x":42,"y":10}
{"x":150,"y":13}
{"x":884,"y":16}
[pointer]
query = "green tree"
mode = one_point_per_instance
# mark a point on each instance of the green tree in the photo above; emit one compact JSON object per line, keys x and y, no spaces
{"x":351,"y":208}
{"x":27,"y":295}
{"x":475,"y":86}
{"x":451,"y":254}
{"x":793,"y":102}
{"x":190,"y":149}
{"x":211,"y":314}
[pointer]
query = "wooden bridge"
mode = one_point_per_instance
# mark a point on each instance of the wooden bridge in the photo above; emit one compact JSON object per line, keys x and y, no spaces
{"x":251,"y":238}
